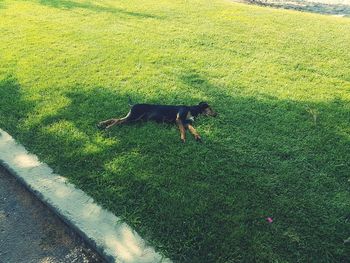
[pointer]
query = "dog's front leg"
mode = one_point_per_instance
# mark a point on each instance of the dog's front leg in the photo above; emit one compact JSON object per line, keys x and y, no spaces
{"x":195,"y":133}
{"x":182,"y":129}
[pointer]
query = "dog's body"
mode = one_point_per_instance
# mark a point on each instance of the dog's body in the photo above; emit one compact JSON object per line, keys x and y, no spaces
{"x":183,"y":116}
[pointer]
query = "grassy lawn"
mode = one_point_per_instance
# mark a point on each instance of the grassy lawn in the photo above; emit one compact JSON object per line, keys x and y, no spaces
{"x":280,"y":147}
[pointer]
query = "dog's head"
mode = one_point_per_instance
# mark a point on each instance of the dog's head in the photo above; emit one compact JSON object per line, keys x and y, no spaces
{"x":206,"y":109}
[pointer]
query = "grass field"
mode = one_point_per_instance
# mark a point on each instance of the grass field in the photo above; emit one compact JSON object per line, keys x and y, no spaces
{"x":280,"y":147}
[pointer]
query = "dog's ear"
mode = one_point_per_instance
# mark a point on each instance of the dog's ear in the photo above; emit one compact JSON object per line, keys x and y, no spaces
{"x":203,"y":105}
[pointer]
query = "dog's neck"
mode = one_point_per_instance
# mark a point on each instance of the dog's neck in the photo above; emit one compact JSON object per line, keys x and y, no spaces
{"x":195,"y":110}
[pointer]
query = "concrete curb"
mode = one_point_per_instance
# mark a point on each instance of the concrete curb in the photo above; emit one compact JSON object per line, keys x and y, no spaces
{"x":114,"y":240}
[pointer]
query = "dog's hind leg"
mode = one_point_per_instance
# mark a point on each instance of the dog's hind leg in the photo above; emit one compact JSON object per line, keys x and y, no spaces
{"x":111,"y":122}
{"x":115,"y":122}
{"x":104,"y":124}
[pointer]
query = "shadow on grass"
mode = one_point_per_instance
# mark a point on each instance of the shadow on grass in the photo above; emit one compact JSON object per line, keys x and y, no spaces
{"x":66,"y":4}
{"x":206,"y":202}
{"x":13,"y":106}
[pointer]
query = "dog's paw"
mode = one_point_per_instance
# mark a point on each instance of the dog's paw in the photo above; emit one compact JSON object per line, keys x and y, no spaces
{"x":198,"y":139}
{"x":183,"y":140}
{"x":100,"y":126}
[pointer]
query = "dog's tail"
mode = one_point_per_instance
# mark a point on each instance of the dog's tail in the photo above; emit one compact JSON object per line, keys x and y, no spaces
{"x":130,"y":102}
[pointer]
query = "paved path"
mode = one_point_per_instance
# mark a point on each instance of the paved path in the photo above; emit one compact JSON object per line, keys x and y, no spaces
{"x":330,"y":7}
{"x":30,"y":233}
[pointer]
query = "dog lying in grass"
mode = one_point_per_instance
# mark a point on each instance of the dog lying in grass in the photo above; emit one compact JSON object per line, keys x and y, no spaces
{"x":183,"y":116}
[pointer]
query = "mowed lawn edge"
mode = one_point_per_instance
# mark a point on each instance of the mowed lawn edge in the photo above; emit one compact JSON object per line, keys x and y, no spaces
{"x":279,"y":147}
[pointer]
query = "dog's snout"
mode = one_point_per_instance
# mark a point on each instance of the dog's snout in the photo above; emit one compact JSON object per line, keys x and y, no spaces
{"x":212,"y":113}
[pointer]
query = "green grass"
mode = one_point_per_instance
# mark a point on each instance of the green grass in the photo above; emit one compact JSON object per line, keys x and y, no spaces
{"x":280,"y":81}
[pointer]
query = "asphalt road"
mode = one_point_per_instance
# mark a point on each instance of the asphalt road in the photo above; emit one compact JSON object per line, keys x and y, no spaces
{"x":30,"y":233}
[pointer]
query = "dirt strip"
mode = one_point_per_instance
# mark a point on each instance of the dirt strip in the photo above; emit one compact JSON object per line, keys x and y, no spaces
{"x":329,"y":7}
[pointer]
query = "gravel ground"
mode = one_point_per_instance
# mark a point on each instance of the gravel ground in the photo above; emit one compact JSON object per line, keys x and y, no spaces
{"x":30,"y":233}
{"x":330,"y":7}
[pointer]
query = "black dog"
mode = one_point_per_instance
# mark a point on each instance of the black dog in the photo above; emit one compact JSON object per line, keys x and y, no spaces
{"x":183,"y":116}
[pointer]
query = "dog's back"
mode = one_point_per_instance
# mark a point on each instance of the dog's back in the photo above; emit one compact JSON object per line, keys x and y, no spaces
{"x":158,"y":113}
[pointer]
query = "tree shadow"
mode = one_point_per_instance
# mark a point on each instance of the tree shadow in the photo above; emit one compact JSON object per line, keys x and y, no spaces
{"x":69,"y":5}
{"x":261,"y":157}
{"x":283,"y":154}
{"x":313,"y":7}
{"x":13,"y":106}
